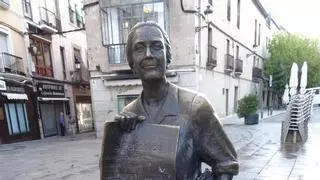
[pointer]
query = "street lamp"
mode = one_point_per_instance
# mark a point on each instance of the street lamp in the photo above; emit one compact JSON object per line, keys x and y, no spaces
{"x":208,"y":13}
{"x":207,"y":17}
{"x":77,"y":64}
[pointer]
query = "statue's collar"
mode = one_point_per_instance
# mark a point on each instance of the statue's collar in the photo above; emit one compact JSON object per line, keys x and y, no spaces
{"x":171,"y":104}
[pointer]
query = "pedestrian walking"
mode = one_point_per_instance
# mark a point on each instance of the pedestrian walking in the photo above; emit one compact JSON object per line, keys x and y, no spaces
{"x":72,"y":123}
{"x":61,"y":123}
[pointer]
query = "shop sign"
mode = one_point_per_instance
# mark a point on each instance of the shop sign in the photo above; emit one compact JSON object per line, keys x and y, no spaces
{"x":50,"y":90}
{"x":3,"y":86}
{"x":15,"y":89}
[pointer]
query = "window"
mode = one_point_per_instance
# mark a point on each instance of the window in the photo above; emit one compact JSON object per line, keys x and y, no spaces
{"x":77,"y":55}
{"x":210,"y":35}
{"x":238,"y":14}
{"x":125,"y":100}
{"x":42,"y":59}
{"x":117,"y":21}
{"x":71,"y":12}
{"x":237,"y":52}
{"x":3,"y":42}
{"x":255,"y":32}
{"x":4,"y":4}
{"x":27,"y":8}
{"x":229,"y":10}
{"x":228,"y":46}
{"x":78,"y":16}
{"x":17,"y":118}
{"x":255,"y":61}
{"x":259,"y":34}
{"x":62,"y":54}
{"x":267,"y":42}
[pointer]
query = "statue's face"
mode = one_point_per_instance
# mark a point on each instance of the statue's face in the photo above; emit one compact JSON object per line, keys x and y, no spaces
{"x":148,"y":53}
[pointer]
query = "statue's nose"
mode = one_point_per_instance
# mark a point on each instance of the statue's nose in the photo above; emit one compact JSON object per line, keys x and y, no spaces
{"x":148,"y":52}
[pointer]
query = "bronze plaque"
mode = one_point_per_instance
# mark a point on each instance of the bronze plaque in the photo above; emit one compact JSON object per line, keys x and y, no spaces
{"x":148,"y":152}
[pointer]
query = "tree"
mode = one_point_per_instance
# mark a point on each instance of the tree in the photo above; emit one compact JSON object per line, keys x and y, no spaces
{"x":279,"y":77}
{"x":288,"y":48}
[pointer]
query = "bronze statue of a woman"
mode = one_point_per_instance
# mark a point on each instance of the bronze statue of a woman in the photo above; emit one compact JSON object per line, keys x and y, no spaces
{"x":201,"y":137}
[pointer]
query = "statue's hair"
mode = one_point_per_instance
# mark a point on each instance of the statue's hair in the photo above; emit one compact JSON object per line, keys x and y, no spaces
{"x":131,"y":35}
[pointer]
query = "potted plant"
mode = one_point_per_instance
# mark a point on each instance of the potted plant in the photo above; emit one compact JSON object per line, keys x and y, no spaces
{"x":248,"y":107}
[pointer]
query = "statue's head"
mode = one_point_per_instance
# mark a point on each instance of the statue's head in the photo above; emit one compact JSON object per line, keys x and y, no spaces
{"x":148,"y":50}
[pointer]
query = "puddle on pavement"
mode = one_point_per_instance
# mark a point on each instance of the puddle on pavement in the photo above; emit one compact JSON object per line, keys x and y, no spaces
{"x":291,"y":150}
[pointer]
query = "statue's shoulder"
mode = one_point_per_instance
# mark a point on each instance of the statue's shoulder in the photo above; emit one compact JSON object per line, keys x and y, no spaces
{"x":192,"y":98}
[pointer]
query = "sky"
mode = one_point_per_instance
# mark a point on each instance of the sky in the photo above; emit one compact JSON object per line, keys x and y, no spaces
{"x":297,"y":16}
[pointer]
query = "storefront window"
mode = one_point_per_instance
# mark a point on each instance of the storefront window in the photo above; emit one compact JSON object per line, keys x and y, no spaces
{"x":17,"y":118}
{"x":84,"y":117}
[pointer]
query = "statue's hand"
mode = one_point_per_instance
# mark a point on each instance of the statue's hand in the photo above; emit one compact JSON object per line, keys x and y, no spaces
{"x":128,"y":120}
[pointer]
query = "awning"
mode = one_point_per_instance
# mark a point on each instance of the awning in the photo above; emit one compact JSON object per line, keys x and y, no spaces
{"x":15,"y":96}
{"x":52,"y":99}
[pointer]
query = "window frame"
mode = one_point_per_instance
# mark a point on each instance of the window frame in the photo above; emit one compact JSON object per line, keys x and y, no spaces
{"x":6,"y":31}
{"x":238,"y":13}
{"x":48,"y":70}
{"x":107,"y":27}
{"x":255,"y":31}
{"x":229,"y":10}
{"x":63,"y":55}
{"x":27,"y":15}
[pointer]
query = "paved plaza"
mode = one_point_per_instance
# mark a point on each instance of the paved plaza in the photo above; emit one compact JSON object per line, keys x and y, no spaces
{"x":260,"y":153}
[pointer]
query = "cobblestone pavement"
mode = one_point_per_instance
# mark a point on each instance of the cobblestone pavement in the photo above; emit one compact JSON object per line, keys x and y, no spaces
{"x":259,"y":150}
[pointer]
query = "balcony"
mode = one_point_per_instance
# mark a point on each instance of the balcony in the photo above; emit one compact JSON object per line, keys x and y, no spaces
{"x":10,"y":63}
{"x":239,"y":67}
{"x":116,"y":54}
{"x":212,"y":57}
{"x":49,"y":20}
{"x":45,"y":71}
{"x":256,"y":74}
{"x":229,"y":63}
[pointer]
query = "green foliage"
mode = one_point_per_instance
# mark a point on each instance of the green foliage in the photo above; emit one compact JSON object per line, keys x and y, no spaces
{"x":289,"y":48}
{"x":279,"y":78}
{"x":248,"y":105}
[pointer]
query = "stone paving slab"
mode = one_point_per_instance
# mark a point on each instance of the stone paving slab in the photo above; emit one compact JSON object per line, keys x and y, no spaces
{"x":260,"y":154}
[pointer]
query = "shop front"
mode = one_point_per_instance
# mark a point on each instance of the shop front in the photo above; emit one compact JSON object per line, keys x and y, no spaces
{"x":52,"y":102}
{"x":83,"y":107}
{"x":18,"y":119}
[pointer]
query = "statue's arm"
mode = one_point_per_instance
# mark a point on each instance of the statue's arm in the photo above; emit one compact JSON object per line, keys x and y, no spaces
{"x":213,"y":145}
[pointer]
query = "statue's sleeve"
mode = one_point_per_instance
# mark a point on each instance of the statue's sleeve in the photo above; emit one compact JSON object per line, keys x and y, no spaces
{"x":212,"y":144}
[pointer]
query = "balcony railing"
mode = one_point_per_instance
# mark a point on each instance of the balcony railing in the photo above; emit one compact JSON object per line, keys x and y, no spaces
{"x":10,"y":63}
{"x":44,"y":71}
{"x":256,"y":74}
{"x":50,"y":18}
{"x":229,"y":63}
{"x":212,"y":57}
{"x":116,"y":54}
{"x":239,"y":67}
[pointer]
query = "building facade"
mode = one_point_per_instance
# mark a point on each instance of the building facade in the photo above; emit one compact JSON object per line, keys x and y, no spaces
{"x":44,"y":64}
{"x":220,"y":57}
{"x":18,"y":117}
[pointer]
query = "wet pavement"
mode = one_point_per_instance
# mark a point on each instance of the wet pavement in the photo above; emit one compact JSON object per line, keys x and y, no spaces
{"x":266,"y":158}
{"x":260,"y":153}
